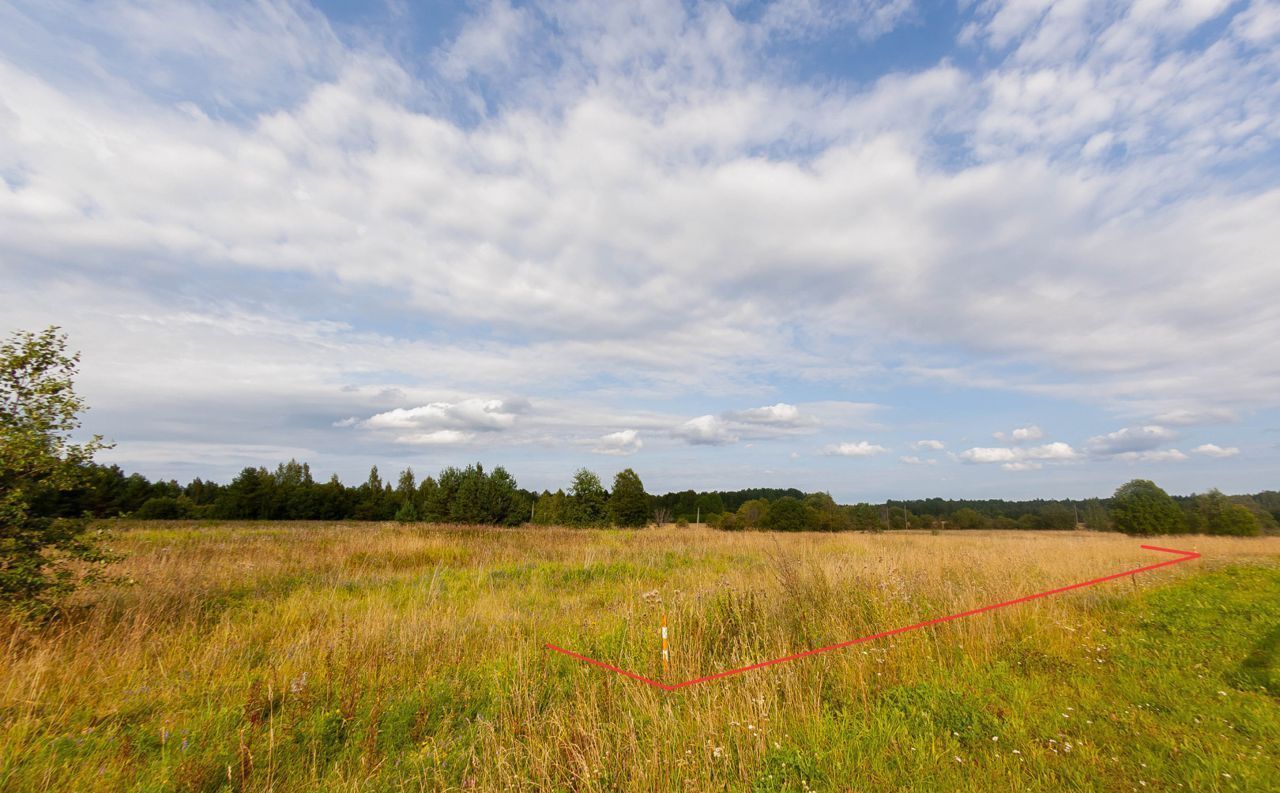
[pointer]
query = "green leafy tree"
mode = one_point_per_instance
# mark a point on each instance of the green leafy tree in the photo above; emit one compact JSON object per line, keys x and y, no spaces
{"x":789,"y":514}
{"x":1266,"y":521}
{"x":588,"y":500}
{"x":864,"y":517}
{"x":551,"y":509}
{"x":441,"y":497}
{"x":248,"y":497}
{"x":1214,"y":513}
{"x":1095,"y":515}
{"x":39,"y":410}
{"x":333,"y":500}
{"x":377,"y":500}
{"x":406,"y":497}
{"x":826,"y":514}
{"x":505,"y":505}
{"x":967,"y":518}
{"x":1057,"y":516}
{"x":1141,"y":507}
{"x":752,"y":514}
{"x":165,"y":508}
{"x":628,"y":504}
{"x":706,"y":505}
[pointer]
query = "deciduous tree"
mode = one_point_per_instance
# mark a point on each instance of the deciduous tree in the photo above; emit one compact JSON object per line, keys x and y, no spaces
{"x":39,"y":411}
{"x":1141,"y":507}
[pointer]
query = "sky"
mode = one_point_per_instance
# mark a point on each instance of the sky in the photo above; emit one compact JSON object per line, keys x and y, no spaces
{"x":978,"y":249}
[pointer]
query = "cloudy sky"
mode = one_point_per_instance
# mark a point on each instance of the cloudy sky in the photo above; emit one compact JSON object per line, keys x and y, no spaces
{"x":882,"y":249}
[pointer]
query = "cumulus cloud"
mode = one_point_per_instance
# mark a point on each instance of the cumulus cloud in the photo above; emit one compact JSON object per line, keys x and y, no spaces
{"x":780,"y":415}
{"x":990,"y":454}
{"x":481,"y":415}
{"x":936,"y":446}
{"x":622,"y":442}
{"x":1031,"y":433}
{"x":850,"y":449}
{"x":705,"y":430}
{"x":1129,"y":439}
{"x":1020,"y":457}
{"x":1214,"y":450}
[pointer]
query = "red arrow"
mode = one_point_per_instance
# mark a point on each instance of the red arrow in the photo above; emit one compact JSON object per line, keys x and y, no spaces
{"x":1183,"y":556}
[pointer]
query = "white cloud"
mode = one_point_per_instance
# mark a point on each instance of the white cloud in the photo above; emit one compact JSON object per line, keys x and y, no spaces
{"x":849,"y":449}
{"x":488,"y":43}
{"x":1182,"y":417}
{"x":442,"y":437}
{"x":622,"y":442}
{"x":485,"y":415}
{"x":936,"y":446}
{"x":705,"y":431}
{"x":1129,"y":439}
{"x":1214,"y":450}
{"x":1020,"y":457}
{"x":1023,"y":465}
{"x":990,"y":454}
{"x":781,"y":415}
{"x":1031,"y":433}
{"x":1153,"y":456}
{"x":911,"y":459}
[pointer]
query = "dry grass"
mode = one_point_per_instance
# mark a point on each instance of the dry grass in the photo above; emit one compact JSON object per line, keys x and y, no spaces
{"x":381,"y":657}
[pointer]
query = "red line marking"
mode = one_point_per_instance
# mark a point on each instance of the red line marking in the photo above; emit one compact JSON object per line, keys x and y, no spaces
{"x":1184,"y":556}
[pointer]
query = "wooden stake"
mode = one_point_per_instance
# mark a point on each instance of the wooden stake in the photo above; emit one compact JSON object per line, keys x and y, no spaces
{"x":666,"y":654}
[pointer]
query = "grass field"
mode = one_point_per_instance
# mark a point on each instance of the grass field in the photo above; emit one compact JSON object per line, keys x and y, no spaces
{"x":374,"y":657}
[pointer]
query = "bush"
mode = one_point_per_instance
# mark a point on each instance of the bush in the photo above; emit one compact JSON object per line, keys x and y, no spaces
{"x":408,"y":513}
{"x":164,"y":508}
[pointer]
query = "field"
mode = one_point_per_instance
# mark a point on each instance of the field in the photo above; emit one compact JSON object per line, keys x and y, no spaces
{"x":372,"y":657}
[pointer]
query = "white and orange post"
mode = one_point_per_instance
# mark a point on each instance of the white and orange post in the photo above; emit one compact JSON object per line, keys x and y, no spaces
{"x":666,"y":653}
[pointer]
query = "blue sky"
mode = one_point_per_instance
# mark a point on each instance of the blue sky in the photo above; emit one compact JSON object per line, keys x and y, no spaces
{"x":888,"y":250}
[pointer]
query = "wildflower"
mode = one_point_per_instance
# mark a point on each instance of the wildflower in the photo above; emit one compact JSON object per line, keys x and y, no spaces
{"x":717,"y":752}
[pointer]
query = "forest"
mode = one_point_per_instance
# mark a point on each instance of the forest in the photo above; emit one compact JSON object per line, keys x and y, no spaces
{"x":473,"y":494}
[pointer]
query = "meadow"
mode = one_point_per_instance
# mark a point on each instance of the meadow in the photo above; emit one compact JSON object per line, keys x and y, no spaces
{"x":386,"y":657}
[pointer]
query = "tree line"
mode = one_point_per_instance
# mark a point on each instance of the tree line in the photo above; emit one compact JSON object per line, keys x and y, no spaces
{"x":492,"y":497}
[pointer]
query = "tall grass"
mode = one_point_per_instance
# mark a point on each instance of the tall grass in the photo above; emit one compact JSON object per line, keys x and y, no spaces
{"x":384,"y":657}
